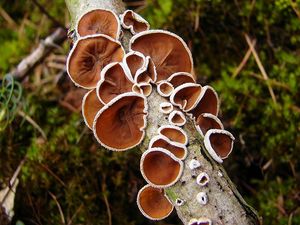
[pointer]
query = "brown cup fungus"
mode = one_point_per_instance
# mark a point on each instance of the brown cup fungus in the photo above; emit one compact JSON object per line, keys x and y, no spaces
{"x":202,"y":179}
{"x":153,"y":203}
{"x":164,"y":88}
{"x":142,"y":88}
{"x":99,"y":21}
{"x":207,"y":121}
{"x":179,"y":78}
{"x":173,"y":133}
{"x":165,"y":107}
{"x":186,"y":96}
{"x":134,"y":62}
{"x":134,"y":22}
{"x":168,"y":51}
{"x":89,"y":56}
{"x":120,"y":124}
{"x":114,"y":81}
{"x":177,"y":149}
{"x":90,"y":106}
{"x":177,"y":118}
{"x":160,"y":168}
{"x":148,"y":73}
{"x":218,"y":143}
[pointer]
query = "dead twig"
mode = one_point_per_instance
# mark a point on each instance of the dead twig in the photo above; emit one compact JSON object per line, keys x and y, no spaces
{"x":59,"y":208}
{"x":53,"y":174}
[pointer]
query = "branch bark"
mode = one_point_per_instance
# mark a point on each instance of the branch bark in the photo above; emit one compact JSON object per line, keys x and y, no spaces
{"x":225,"y":205}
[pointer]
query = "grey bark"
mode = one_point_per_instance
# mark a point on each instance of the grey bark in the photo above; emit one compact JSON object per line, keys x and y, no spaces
{"x":225,"y":204}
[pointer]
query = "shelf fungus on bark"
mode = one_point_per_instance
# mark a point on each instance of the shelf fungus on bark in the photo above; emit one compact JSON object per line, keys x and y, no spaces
{"x":134,"y":22}
{"x":99,"y":21}
{"x":90,"y":106}
{"x":177,"y":118}
{"x":174,"y":133}
{"x":186,"y":96}
{"x":143,"y":88}
{"x":202,"y":198}
{"x":160,"y":141}
{"x":160,"y":168}
{"x":89,"y":56}
{"x":218,"y":143}
{"x":153,"y":203}
{"x":120,"y":124}
{"x":114,"y":81}
{"x":202,"y":179}
{"x":208,"y":102}
{"x":165,"y":89}
{"x":165,"y":107}
{"x":168,"y":51}
{"x":200,"y":221}
{"x":207,"y":121}
{"x":179,"y":78}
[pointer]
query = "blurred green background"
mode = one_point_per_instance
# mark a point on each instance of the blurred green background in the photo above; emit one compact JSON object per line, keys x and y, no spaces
{"x":40,"y":119}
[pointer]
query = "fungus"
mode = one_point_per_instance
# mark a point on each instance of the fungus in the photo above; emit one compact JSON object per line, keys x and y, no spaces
{"x":160,"y":168}
{"x":177,"y":118}
{"x":164,"y":88}
{"x":120,"y":124}
{"x":202,"y":198}
{"x":173,"y":133}
{"x":165,"y":107}
{"x":148,"y":73}
{"x":88,"y":57}
{"x":90,"y":106}
{"x":219,"y":144}
{"x":202,"y":179}
{"x":99,"y":21}
{"x":159,"y":141}
{"x":186,"y":96}
{"x":194,"y":164}
{"x":143,"y":88}
{"x":168,"y":51}
{"x":153,"y":203}
{"x":134,"y":62}
{"x":208,"y":102}
{"x":114,"y":81}
{"x":179,"y":202}
{"x":207,"y":121}
{"x":200,"y":221}
{"x":134,"y":22}
{"x":179,"y":78}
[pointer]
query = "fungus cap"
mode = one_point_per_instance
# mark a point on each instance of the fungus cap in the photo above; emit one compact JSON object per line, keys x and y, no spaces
{"x":168,"y":51}
{"x":142,"y":88}
{"x":160,"y":168}
{"x":134,"y":22}
{"x":120,"y":124}
{"x":186,"y":96}
{"x":218,"y":143}
{"x":177,"y":118}
{"x":202,"y":198}
{"x":174,"y":133}
{"x":177,"y":149}
{"x":200,"y":221}
{"x":99,"y":21}
{"x":134,"y":62}
{"x":89,"y":56}
{"x":148,"y":73}
{"x":202,"y":179}
{"x":179,"y":78}
{"x":165,"y":89}
{"x":194,"y":164}
{"x":207,"y":121}
{"x":165,"y":107}
{"x":153,"y":203}
{"x":90,"y":107}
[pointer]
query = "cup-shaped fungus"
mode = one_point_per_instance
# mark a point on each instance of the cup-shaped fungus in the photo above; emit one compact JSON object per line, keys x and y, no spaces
{"x":134,"y":22}
{"x":202,"y":198}
{"x":202,"y":179}
{"x":114,"y":81}
{"x":90,"y":107}
{"x":173,"y":133}
{"x":134,"y":62}
{"x":165,"y":89}
{"x":165,"y":107}
{"x":99,"y":21}
{"x":160,"y":168}
{"x":142,"y":88}
{"x":120,"y":124}
{"x":186,"y":96}
{"x":194,"y":164}
{"x":168,"y":51}
{"x":88,"y":57}
{"x":153,"y":203}
{"x":200,"y":221}
{"x":208,"y":102}
{"x":177,"y":118}
{"x":177,"y":149}
{"x":148,"y":73}
{"x":218,"y":143}
{"x":207,"y":121}
{"x":179,"y":78}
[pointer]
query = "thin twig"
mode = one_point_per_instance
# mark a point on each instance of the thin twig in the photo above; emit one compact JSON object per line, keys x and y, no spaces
{"x":59,"y":208}
{"x":103,"y":187}
{"x":74,"y":215}
{"x":53,"y":174}
{"x":261,"y":68}
{"x":244,"y":61}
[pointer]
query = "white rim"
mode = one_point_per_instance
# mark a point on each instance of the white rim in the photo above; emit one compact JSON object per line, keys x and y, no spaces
{"x":180,"y":74}
{"x":210,"y":116}
{"x":200,"y":177}
{"x":82,"y":107}
{"x":145,"y":68}
{"x":175,"y":128}
{"x":177,"y":113}
{"x":194,"y":164}
{"x":126,"y":67}
{"x":165,"y":105}
{"x":160,"y":91}
{"x":137,"y":17}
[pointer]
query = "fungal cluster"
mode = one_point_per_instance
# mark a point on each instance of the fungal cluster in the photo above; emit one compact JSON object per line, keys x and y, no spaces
{"x":115,"y":107}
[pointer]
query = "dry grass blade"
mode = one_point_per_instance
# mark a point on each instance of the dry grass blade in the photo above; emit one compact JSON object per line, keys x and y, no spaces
{"x":59,"y":208}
